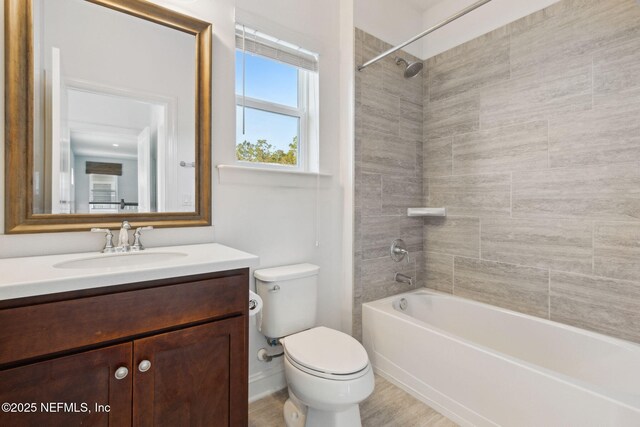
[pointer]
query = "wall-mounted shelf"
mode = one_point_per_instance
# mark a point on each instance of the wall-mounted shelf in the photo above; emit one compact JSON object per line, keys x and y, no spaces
{"x":426,"y":211}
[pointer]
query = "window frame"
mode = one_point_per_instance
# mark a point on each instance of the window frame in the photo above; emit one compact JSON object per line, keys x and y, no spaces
{"x":301,"y":112}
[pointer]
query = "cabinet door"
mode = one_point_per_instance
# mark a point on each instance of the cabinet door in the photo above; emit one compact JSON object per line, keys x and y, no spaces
{"x":196,"y":377}
{"x":80,"y":381}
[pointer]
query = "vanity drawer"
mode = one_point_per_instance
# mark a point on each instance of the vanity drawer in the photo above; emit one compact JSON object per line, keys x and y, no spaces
{"x":43,"y":329}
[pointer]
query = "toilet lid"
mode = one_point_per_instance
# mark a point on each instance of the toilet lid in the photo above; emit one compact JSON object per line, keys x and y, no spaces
{"x":326,"y":350}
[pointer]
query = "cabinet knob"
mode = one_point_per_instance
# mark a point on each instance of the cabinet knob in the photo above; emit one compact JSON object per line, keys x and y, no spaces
{"x":121,"y":372}
{"x":144,"y":366}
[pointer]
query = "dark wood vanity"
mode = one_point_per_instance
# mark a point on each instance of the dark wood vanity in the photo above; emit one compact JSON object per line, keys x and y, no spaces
{"x":168,"y":352}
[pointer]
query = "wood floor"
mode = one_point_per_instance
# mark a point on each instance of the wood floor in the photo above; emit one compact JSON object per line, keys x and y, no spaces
{"x":388,"y":406}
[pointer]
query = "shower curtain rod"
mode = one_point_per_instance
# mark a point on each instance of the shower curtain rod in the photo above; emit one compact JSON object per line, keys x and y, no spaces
{"x":424,"y":33}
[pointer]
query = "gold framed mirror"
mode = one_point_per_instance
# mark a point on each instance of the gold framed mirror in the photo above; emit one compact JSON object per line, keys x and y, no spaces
{"x":84,"y":146}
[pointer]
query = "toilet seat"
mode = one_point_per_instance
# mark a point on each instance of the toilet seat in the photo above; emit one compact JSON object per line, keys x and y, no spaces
{"x":329,"y":376}
{"x":326,"y":353}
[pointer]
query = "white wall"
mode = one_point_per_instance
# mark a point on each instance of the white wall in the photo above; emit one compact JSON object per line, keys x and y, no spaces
{"x":481,"y":21}
{"x":393,"y":21}
{"x":280,"y":223}
{"x":268,"y":210}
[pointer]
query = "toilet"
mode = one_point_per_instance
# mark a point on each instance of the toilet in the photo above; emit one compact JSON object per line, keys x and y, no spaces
{"x":328,"y":372}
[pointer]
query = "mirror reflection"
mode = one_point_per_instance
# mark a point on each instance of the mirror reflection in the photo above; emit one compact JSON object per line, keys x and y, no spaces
{"x":114,"y":128}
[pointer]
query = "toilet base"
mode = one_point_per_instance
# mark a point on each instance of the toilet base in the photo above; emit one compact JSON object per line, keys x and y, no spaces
{"x":297,"y":414}
{"x":349,"y":417}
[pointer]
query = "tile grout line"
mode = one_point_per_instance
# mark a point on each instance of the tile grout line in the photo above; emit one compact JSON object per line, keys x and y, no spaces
{"x":551,"y":169}
{"x":574,"y":273}
{"x":495,"y":128}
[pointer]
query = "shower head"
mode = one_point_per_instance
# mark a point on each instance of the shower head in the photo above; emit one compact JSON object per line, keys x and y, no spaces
{"x":411,"y":68}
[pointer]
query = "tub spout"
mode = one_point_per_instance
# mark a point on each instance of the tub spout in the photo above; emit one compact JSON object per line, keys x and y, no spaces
{"x":403,"y":278}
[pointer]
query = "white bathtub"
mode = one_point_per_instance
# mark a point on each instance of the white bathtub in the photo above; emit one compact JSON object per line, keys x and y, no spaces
{"x":485,"y":366}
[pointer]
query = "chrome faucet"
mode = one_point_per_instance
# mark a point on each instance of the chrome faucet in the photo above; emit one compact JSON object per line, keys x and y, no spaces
{"x":403,"y":278}
{"x":108,"y":245}
{"x":123,"y":238}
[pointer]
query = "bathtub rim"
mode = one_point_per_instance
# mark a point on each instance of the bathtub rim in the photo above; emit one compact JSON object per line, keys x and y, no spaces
{"x":630,"y":401}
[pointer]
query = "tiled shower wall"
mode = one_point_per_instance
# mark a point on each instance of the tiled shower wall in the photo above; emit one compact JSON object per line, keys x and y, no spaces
{"x":532,"y":143}
{"x":388,"y":174}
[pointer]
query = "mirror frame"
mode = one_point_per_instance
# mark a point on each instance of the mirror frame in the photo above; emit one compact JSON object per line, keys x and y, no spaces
{"x":19,"y":216}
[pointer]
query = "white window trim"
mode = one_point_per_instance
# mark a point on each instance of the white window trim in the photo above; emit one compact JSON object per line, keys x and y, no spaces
{"x":301,"y":112}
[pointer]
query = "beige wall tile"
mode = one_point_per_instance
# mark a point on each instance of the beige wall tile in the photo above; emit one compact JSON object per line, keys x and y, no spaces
{"x":438,"y":157}
{"x":616,"y":251}
{"x":453,"y":236}
{"x":539,"y":95}
{"x":388,"y":174}
{"x":610,"y":192}
{"x":472,"y":195}
{"x":368,"y":192}
{"x":603,"y":305}
{"x":411,"y":120}
{"x":386,"y":154}
{"x":519,"y":147}
{"x":452,"y":116}
{"x":461,"y":69}
{"x":411,"y":230}
{"x":400,"y":193}
{"x":378,"y":278}
{"x":607,"y":134}
{"x":569,"y":29}
{"x":438,"y":272}
{"x":522,"y":289}
{"x":548,"y":243}
{"x":616,"y":71}
{"x":377,"y":233}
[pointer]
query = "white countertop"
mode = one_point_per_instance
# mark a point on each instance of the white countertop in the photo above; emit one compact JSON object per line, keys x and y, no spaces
{"x":30,"y":276}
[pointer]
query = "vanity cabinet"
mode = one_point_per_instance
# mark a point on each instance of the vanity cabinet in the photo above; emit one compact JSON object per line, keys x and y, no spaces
{"x":165,"y":353}
{"x":189,"y":380}
{"x":82,"y":379}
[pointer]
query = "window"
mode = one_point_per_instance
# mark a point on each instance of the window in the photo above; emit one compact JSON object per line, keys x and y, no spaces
{"x":276,"y":103}
{"x":103,"y":193}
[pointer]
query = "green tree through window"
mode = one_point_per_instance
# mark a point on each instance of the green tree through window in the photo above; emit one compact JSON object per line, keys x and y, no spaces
{"x":263,"y":152}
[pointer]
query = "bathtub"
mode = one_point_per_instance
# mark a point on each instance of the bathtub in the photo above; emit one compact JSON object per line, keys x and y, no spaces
{"x":485,"y":366}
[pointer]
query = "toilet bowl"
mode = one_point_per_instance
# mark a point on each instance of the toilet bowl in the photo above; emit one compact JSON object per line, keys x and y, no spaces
{"x":328,"y":374}
{"x":327,"y":371}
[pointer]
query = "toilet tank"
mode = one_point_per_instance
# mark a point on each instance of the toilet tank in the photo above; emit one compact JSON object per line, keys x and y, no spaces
{"x":289,"y":295}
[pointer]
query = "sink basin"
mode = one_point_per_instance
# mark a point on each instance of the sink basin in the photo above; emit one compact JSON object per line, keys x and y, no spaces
{"x":130,"y":259}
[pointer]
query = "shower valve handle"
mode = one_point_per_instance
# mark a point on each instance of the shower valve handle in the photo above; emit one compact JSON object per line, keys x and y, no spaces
{"x":399,"y":251}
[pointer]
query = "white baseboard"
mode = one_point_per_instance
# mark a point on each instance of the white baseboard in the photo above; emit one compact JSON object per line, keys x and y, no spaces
{"x":265,"y":383}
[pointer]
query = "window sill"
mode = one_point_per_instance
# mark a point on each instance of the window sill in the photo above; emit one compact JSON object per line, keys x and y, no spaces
{"x":255,"y":176}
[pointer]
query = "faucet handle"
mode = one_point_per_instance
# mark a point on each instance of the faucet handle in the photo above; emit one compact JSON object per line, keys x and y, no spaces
{"x":100,"y":230}
{"x":108,"y":246}
{"x":137,"y":244}
{"x":399,"y":251}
